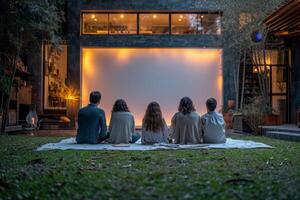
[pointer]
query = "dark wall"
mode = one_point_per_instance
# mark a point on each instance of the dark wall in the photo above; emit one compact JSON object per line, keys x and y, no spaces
{"x":295,"y":77}
{"x":202,"y":41}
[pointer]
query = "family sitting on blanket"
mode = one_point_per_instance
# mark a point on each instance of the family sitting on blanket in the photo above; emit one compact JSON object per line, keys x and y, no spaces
{"x":187,"y":127}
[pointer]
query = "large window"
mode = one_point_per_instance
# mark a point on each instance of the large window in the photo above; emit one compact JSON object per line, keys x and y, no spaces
{"x":95,"y":23}
{"x":55,"y":75}
{"x":151,"y":23}
{"x":154,"y":24}
{"x":122,"y":23}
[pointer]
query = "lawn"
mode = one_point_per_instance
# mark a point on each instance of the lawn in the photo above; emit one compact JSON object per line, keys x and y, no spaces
{"x":181,"y":174}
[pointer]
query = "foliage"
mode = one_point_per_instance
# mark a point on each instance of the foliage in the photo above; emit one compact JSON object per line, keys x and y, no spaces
{"x":25,"y":23}
{"x":241,"y":19}
{"x":5,"y":81}
{"x":254,"y":112}
{"x":181,"y":174}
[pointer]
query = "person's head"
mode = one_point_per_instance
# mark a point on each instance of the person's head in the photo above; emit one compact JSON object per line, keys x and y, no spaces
{"x":211,"y":104}
{"x":153,"y":120}
{"x":95,"y":97}
{"x":32,"y":108}
{"x":186,"y":106}
{"x":120,"y":106}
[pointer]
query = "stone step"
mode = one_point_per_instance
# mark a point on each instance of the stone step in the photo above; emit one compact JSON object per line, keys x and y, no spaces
{"x":284,"y":128}
{"x":283,"y":135}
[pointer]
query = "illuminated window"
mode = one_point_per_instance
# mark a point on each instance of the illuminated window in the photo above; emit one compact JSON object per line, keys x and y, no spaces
{"x":95,"y":24}
{"x":211,"y":24}
{"x":55,"y":75}
{"x":122,"y":23}
{"x":154,"y":23}
{"x":112,"y":23}
{"x":185,"y":24}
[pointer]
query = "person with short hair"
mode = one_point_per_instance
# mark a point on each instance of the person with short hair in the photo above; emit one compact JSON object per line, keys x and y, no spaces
{"x":154,"y":128}
{"x":122,"y":125}
{"x":186,"y":124}
{"x":91,"y":122}
{"x":213,"y":125}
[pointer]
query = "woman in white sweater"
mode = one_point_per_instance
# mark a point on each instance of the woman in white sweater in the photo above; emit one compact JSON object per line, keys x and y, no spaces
{"x":154,"y":129}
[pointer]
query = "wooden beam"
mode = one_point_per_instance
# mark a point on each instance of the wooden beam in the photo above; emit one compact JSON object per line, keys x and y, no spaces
{"x":281,"y":11}
{"x":283,"y":21}
{"x":278,"y":18}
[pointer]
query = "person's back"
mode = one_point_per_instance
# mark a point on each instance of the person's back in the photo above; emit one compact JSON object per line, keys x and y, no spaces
{"x":91,"y":122}
{"x":213,"y":125}
{"x":121,"y":127}
{"x":154,"y":128}
{"x":186,"y":124}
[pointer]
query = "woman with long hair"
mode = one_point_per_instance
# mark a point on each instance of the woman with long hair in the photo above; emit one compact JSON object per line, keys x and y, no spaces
{"x":186,"y":124}
{"x":154,"y":128}
{"x":122,"y":125}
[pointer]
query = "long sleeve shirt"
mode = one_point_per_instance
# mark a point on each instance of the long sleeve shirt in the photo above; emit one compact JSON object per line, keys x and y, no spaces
{"x":91,"y":124}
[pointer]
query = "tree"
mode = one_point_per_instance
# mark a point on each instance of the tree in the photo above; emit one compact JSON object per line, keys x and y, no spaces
{"x":241,"y":20}
{"x":24,"y":22}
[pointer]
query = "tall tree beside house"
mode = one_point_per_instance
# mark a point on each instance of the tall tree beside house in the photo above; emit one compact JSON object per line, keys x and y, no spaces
{"x":23,"y":23}
{"x":241,"y":20}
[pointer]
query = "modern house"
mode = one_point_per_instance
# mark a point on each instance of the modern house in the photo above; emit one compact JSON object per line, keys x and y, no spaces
{"x":160,"y":50}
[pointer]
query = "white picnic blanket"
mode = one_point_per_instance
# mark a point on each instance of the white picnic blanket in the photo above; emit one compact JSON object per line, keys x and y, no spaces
{"x":70,"y":143}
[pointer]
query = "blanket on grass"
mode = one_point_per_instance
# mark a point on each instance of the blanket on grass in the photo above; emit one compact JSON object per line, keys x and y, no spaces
{"x":70,"y":143}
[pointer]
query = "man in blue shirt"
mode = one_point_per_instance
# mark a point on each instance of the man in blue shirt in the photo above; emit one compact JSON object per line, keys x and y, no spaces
{"x":91,"y":122}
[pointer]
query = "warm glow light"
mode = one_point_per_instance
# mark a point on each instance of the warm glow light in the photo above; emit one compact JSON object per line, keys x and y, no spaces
{"x":122,"y":16}
{"x":154,"y":16}
{"x":95,"y":19}
{"x":179,"y":20}
{"x":93,"y":16}
{"x":141,"y":75}
{"x":181,"y":16}
{"x":202,"y":16}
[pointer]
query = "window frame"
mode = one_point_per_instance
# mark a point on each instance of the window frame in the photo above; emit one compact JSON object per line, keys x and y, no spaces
{"x":219,"y":13}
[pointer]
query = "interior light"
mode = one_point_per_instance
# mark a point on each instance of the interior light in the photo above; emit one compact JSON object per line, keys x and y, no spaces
{"x":154,"y":16}
{"x":95,"y":19}
{"x":122,"y":16}
{"x":181,"y":16}
{"x":93,"y":16}
{"x":179,"y":19}
{"x":202,"y":16}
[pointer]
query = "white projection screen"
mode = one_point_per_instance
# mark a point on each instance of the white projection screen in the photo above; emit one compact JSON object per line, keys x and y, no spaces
{"x":142,"y":75}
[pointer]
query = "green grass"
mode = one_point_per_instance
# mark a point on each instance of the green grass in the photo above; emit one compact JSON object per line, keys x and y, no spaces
{"x":181,"y":174}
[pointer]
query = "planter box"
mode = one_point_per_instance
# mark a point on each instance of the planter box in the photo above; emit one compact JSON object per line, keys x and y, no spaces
{"x":240,"y":125}
{"x":270,"y":120}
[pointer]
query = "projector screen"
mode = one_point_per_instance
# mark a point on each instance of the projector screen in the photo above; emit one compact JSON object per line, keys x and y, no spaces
{"x":142,"y":75}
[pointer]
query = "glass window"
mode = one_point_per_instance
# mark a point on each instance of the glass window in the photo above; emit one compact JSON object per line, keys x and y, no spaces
{"x":278,"y":79}
{"x":55,"y":69}
{"x":154,"y":24}
{"x":279,"y":105}
{"x":186,"y":24}
{"x":211,"y":24}
{"x":196,"y":24}
{"x":122,"y":23}
{"x":95,"y":23}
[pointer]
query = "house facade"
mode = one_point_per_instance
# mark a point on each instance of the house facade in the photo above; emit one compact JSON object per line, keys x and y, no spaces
{"x":176,"y":33}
